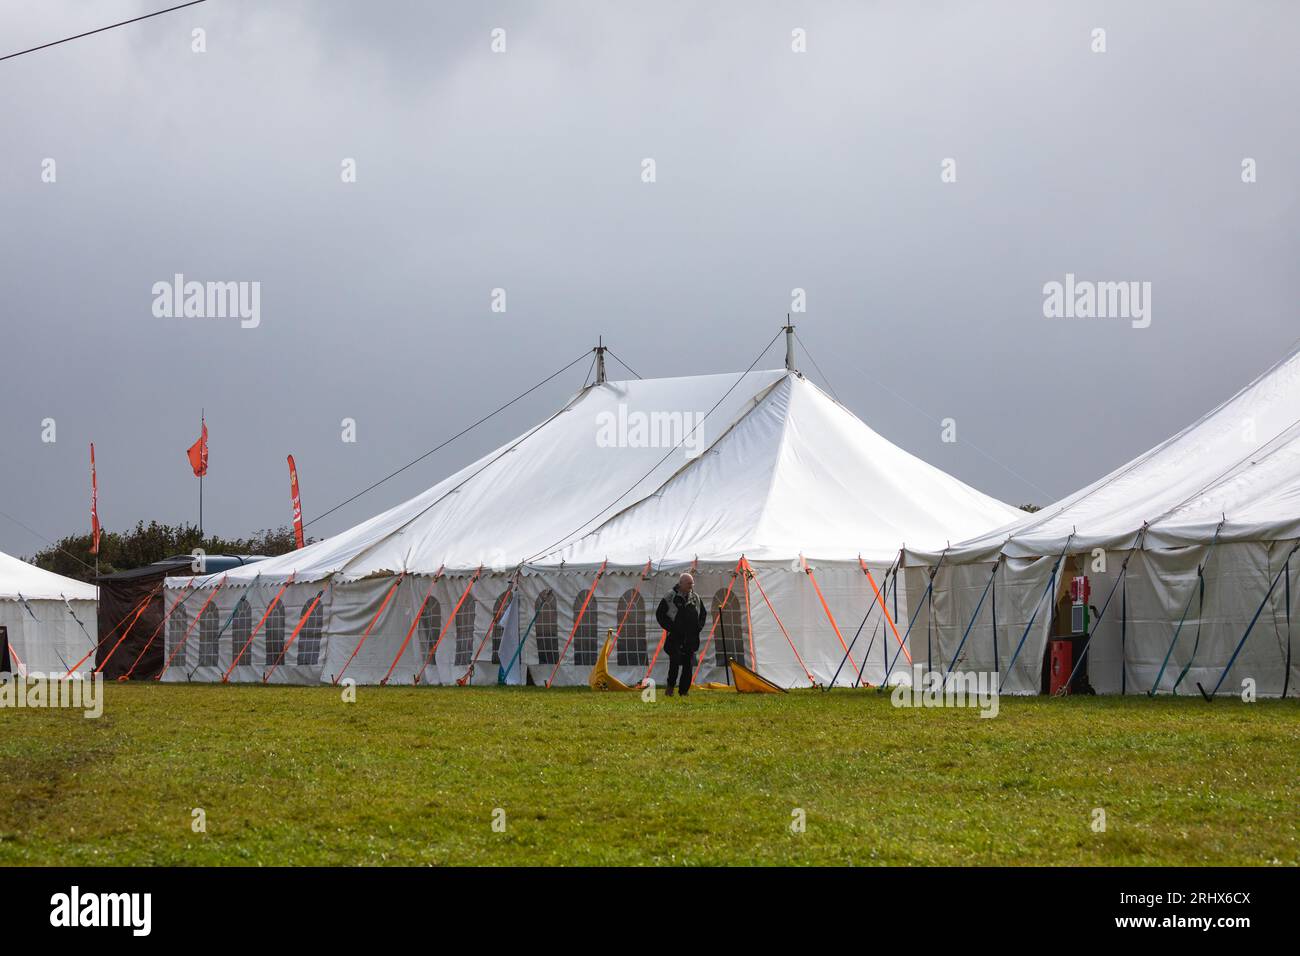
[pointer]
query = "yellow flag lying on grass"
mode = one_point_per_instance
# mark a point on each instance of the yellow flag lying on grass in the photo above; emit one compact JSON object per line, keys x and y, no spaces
{"x":600,"y":678}
{"x":745,"y":680}
{"x":749,"y":682}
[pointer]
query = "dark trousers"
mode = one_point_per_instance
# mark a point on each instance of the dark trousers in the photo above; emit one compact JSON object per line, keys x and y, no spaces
{"x":680,"y":663}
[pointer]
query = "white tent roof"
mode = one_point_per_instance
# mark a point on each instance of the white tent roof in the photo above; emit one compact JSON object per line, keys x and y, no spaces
{"x":34,"y":584}
{"x":1238,"y":465}
{"x":784,"y":471}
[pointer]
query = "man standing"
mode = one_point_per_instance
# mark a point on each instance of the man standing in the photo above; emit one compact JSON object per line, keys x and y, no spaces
{"x":682,"y":614}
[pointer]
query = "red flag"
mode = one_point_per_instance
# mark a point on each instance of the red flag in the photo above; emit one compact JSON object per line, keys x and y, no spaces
{"x":297,"y":503}
{"x":94,"y":504}
{"x":198,"y":453}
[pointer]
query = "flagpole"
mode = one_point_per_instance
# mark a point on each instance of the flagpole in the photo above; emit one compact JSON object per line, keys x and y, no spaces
{"x":202,"y":421}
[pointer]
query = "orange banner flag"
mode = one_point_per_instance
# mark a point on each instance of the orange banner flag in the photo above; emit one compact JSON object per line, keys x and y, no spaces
{"x":297,"y":503}
{"x":198,"y":454}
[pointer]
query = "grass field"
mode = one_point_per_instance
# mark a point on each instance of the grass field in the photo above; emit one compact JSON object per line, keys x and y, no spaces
{"x":412,"y":776}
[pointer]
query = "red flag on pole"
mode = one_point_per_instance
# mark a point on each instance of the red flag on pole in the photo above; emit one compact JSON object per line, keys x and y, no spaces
{"x":198,"y":453}
{"x":94,"y":504}
{"x":297,"y":503}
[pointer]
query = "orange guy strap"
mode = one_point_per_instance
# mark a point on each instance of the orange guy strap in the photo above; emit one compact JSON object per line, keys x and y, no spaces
{"x":190,"y":630}
{"x":415,"y":622}
{"x":717,"y":616}
{"x":125,"y":634}
{"x":829,"y":616}
{"x":370,"y":627}
{"x":186,"y":593}
{"x":812,"y":680}
{"x":13,"y":652}
{"x":884,"y":610}
{"x":591,"y":592}
{"x":446,"y":625}
{"x":749,"y":617}
{"x":104,"y":640}
{"x":306,"y":616}
{"x":500,"y":609}
{"x":662,"y":637}
{"x":225,"y":678}
{"x":630,"y":604}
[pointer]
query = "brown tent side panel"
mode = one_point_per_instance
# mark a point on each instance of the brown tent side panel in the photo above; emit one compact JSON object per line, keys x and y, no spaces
{"x":119,"y":597}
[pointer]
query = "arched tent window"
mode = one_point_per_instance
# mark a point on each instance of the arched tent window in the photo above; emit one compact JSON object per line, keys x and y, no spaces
{"x":498,"y":612}
{"x":241,"y":626}
{"x":465,"y":632}
{"x":430,"y":627}
{"x":729,"y":635}
{"x":586,"y":642}
{"x":547,"y":628}
{"x":274,"y":630}
{"x":209,"y":636}
{"x":630,"y":650}
{"x":177,"y":625}
{"x":309,"y":638}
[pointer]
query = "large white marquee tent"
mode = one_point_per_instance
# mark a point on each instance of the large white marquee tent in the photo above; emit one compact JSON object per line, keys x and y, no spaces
{"x":586,"y":519}
{"x":40,"y":611}
{"x":1209,"y":522}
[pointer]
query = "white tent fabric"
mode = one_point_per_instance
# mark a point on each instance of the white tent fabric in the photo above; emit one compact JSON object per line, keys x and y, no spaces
{"x":44,"y":637}
{"x":1222,"y":495}
{"x":673,"y":472}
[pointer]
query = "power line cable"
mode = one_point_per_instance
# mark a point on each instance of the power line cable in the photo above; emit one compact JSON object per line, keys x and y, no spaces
{"x":32,"y":531}
{"x":111,"y":26}
{"x":447,"y":442}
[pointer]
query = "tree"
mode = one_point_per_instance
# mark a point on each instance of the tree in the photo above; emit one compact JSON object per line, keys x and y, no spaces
{"x":146,"y":544}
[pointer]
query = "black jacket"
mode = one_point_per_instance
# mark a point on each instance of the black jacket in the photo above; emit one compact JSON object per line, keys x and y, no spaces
{"x":683,"y":626}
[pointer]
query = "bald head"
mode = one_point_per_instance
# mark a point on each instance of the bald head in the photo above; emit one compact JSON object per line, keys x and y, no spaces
{"x":685,"y":584}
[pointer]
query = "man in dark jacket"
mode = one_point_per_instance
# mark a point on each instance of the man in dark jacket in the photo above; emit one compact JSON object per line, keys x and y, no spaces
{"x":682,"y":614}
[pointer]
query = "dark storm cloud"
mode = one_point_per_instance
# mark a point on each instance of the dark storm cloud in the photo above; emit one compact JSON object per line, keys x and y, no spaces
{"x":521,"y":170}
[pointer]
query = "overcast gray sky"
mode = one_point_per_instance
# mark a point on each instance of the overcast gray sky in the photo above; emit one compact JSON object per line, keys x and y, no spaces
{"x":522,"y":170}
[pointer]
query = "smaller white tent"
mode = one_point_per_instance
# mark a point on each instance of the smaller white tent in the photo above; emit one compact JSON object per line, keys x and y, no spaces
{"x":39,"y":611}
{"x":1194,"y":542}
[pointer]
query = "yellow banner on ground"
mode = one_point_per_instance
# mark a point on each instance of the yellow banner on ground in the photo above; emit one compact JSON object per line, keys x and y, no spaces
{"x":601,"y":678}
{"x":749,"y":682}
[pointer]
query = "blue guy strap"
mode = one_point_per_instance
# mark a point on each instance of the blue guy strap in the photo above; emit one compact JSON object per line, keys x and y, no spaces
{"x":996,"y":666}
{"x":1200,"y":571}
{"x":1250,"y":627}
{"x":902,"y":644}
{"x":28,"y":607}
{"x":849,"y":650}
{"x":957,"y":653}
{"x":504,"y":672}
{"x":1051,"y":587}
{"x":880,"y":628}
{"x":1123,"y":640}
{"x":68,"y":605}
{"x":1286,"y":676}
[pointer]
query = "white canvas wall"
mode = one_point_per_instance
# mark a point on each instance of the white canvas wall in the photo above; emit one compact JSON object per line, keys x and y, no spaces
{"x":349,"y":607}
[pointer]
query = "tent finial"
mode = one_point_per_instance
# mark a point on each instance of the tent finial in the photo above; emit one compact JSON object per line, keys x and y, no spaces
{"x":600,"y":360}
{"x":789,"y":344}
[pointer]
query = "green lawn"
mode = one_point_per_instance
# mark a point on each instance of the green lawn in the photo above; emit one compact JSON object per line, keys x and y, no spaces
{"x":413,"y":775}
